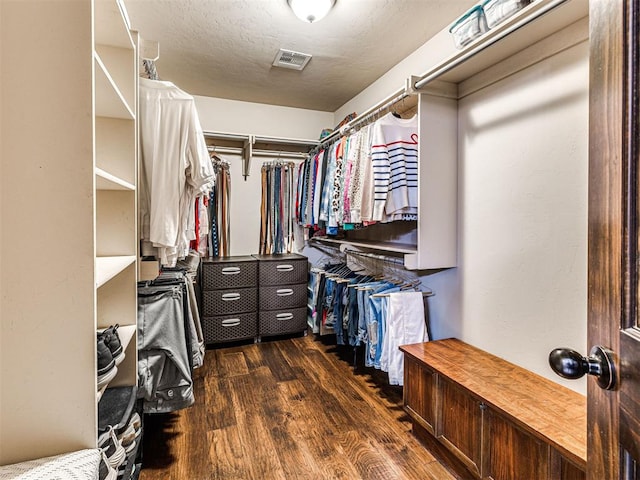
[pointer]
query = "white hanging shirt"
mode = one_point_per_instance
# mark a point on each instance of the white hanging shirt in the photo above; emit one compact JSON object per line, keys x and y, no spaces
{"x":175,"y":167}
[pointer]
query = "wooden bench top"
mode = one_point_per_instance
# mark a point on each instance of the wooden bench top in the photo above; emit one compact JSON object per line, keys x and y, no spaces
{"x":548,"y":410}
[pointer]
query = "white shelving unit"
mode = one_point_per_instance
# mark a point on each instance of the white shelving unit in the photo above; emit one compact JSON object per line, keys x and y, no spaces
{"x":69,"y":247}
{"x":115,"y":167}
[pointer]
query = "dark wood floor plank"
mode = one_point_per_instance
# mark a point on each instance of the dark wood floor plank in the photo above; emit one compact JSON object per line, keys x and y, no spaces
{"x":369,"y":459}
{"x":314,"y":433}
{"x":248,"y":393}
{"x":220,"y":410}
{"x":287,"y":409}
{"x":234,"y":363}
{"x":273,"y":358}
{"x":226,"y":454}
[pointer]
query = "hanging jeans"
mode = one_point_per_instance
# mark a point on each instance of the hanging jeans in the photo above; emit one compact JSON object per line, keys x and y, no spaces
{"x":376,"y":327}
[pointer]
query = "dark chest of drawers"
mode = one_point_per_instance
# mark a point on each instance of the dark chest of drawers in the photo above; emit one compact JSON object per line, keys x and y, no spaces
{"x":229,"y":299}
{"x":282,"y":295}
{"x":253,"y":296}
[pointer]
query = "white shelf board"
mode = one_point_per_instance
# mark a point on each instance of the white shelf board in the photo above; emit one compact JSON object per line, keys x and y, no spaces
{"x":109,"y":267}
{"x":109,"y":99}
{"x":112,"y":24}
{"x":533,"y":23}
{"x":401,"y":248}
{"x":126,"y":333}
{"x":106,"y":181}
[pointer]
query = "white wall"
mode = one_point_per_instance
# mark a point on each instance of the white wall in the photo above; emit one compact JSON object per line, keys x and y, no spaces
{"x":435,"y":50}
{"x":521,"y":286}
{"x":231,"y":116}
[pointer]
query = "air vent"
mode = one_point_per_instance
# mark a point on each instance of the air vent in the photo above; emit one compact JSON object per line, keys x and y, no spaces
{"x":290,"y":59}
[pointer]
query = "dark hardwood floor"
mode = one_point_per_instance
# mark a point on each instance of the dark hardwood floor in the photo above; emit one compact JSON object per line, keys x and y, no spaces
{"x":287,"y":409}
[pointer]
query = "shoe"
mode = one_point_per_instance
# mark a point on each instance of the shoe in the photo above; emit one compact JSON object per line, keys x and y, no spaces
{"x":112,"y":341}
{"x":136,"y":422}
{"x":110,"y":445}
{"x":128,"y":439}
{"x":106,"y":364}
{"x":103,"y":380}
{"x":105,"y":470}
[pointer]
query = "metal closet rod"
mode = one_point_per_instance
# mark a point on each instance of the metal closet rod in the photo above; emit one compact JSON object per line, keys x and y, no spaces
{"x":387,"y":259}
{"x":387,"y":105}
{"x":259,"y":153}
{"x":392,"y":99}
{"x":425,"y":293}
{"x":375,"y":256}
{"x":259,"y":138}
{"x":447,"y":66}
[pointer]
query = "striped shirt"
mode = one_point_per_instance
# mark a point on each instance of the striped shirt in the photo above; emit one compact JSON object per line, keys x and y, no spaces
{"x":394,"y":158}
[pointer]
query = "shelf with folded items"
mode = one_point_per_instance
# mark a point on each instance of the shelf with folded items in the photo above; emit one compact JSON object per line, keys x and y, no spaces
{"x":533,"y":23}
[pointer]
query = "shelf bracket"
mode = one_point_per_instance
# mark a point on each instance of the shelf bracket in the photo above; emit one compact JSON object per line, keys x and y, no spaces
{"x":149,"y":49}
{"x":438,"y":88}
{"x":410,"y":85}
{"x":247,"y":153}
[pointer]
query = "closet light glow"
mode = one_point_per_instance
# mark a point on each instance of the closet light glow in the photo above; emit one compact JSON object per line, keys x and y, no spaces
{"x":311,"y":10}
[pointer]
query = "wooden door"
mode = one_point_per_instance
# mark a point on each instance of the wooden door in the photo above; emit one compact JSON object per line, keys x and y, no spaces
{"x":614,"y":415}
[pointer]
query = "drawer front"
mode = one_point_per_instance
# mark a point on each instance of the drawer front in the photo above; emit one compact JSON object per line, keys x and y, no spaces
{"x":420,"y":393}
{"x":280,"y":322}
{"x":513,"y":453}
{"x":460,"y":427}
{"x":225,"y":302}
{"x":283,"y":271}
{"x":218,"y":275}
{"x":226,"y":328}
{"x":283,"y":297}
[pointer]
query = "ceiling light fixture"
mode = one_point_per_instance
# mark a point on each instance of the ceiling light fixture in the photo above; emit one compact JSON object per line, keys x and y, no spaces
{"x":311,"y":10}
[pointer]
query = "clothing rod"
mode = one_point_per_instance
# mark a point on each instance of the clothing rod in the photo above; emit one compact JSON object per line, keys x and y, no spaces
{"x":384,"y":258}
{"x":259,"y":138}
{"x":333,"y":250}
{"x":385,"y":103}
{"x":259,"y":153}
{"x":278,"y":154}
{"x":424,"y":294}
{"x":433,"y":74}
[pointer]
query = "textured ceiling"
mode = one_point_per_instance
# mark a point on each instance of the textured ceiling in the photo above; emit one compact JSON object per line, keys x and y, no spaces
{"x":225,"y":48}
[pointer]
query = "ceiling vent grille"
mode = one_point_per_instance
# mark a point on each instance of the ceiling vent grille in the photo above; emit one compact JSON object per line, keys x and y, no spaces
{"x":290,"y":59}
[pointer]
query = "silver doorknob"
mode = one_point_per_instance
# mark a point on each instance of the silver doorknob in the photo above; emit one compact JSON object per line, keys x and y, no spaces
{"x":570,"y":364}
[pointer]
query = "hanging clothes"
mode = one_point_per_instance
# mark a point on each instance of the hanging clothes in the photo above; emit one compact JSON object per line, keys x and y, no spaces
{"x":278,"y":206}
{"x":174,"y":170}
{"x":394,"y":158}
{"x":171,"y":343}
{"x":369,"y":312}
{"x":366,"y":177}
{"x":219,"y":244}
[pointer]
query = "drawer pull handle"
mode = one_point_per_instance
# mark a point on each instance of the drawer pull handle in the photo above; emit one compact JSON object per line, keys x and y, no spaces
{"x":231,"y":322}
{"x":231,"y":270}
{"x":284,"y":316}
{"x":230,"y":297}
{"x":284,"y":292}
{"x":284,"y":268}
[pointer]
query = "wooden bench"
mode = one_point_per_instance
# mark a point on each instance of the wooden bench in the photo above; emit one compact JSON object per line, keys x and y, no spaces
{"x":494,"y":419}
